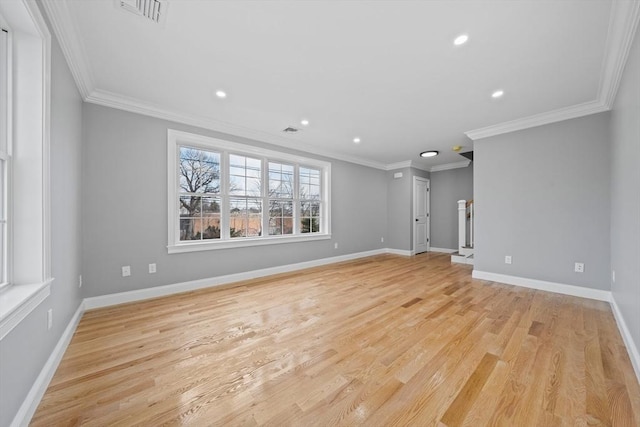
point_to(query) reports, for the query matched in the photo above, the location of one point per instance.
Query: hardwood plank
(384, 340)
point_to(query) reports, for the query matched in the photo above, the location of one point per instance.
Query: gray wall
(125, 209)
(447, 187)
(625, 194)
(25, 350)
(400, 208)
(542, 196)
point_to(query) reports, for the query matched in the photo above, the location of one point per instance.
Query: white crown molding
(548, 117)
(70, 43)
(398, 165)
(120, 102)
(623, 24)
(448, 166)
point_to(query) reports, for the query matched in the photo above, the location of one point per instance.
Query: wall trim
(632, 348)
(623, 23)
(398, 165)
(401, 252)
(31, 402)
(559, 288)
(545, 118)
(121, 102)
(448, 166)
(160, 291)
(18, 301)
(71, 45)
(443, 250)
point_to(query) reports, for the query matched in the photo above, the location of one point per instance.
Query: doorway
(421, 220)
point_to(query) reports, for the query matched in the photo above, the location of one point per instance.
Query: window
(223, 194)
(5, 155)
(24, 162)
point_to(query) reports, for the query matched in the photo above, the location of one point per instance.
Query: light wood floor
(386, 340)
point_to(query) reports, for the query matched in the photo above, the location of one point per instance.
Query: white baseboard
(559, 288)
(596, 294)
(31, 402)
(160, 291)
(632, 348)
(402, 252)
(443, 250)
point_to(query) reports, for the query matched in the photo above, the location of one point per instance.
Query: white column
(471, 223)
(462, 223)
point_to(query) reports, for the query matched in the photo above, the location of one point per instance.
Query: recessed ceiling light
(461, 39)
(497, 94)
(221, 94)
(430, 153)
(356, 140)
(304, 122)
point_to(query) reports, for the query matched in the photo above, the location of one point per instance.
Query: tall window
(5, 155)
(223, 194)
(281, 188)
(199, 194)
(245, 201)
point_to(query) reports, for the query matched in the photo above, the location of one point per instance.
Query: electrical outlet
(507, 259)
(579, 267)
(80, 281)
(126, 271)
(382, 240)
(49, 319)
(335, 246)
(152, 268)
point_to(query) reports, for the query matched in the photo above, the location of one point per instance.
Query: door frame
(413, 212)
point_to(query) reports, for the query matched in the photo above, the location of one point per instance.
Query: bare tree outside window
(310, 200)
(281, 191)
(199, 198)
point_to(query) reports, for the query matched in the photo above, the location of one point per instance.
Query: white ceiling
(385, 71)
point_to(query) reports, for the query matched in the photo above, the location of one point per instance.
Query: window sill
(241, 243)
(17, 301)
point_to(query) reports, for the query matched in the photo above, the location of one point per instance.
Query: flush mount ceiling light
(221, 94)
(430, 153)
(497, 94)
(304, 122)
(461, 39)
(356, 140)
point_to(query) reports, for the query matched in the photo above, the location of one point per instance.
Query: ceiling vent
(153, 10)
(290, 129)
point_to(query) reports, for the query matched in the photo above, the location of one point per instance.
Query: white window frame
(5, 157)
(29, 243)
(176, 139)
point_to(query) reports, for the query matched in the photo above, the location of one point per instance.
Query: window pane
(310, 183)
(245, 217)
(199, 171)
(190, 228)
(245, 176)
(190, 206)
(211, 227)
(310, 217)
(199, 218)
(280, 217)
(280, 180)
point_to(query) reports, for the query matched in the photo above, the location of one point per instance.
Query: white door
(420, 214)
